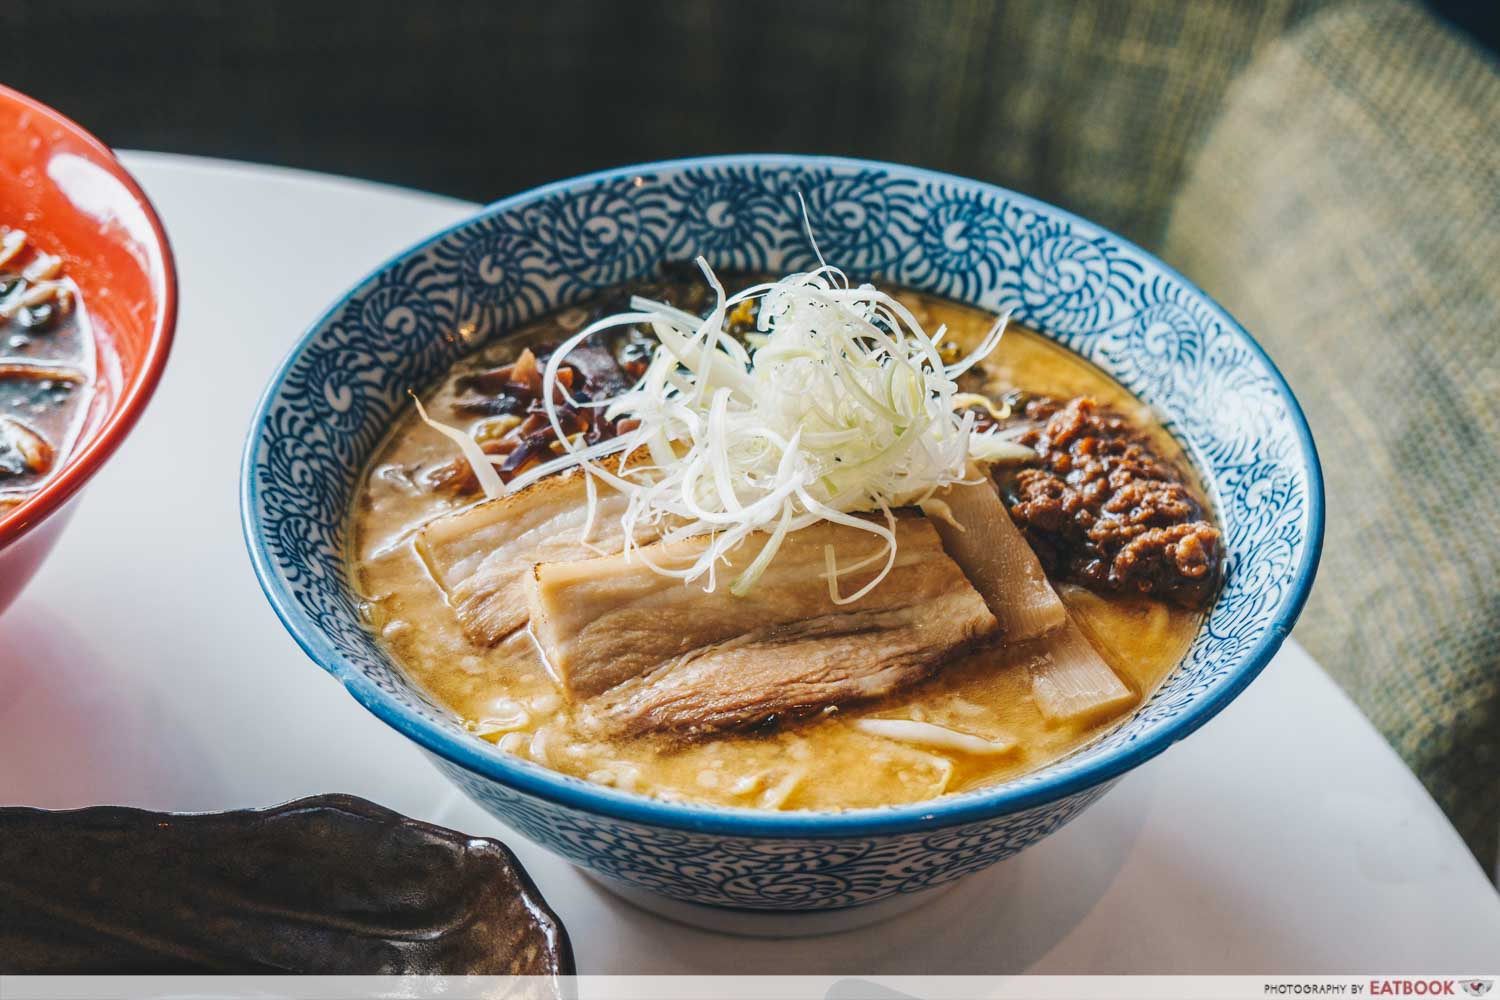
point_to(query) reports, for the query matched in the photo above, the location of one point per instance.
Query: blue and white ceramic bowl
(345, 382)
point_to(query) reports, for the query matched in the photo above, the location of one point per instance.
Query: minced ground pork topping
(1102, 509)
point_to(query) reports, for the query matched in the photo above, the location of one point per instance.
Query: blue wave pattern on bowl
(345, 384)
(773, 873)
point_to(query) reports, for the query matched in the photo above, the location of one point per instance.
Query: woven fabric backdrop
(1347, 209)
(1093, 105)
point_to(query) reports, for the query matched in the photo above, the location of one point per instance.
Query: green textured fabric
(1093, 104)
(1346, 207)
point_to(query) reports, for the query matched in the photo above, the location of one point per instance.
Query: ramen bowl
(74, 200)
(335, 396)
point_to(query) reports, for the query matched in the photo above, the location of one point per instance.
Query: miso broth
(506, 694)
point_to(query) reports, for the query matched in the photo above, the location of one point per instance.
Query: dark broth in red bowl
(88, 303)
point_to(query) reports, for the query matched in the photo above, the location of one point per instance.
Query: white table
(143, 667)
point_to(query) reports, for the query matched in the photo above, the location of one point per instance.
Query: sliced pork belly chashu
(481, 556)
(656, 654)
(689, 661)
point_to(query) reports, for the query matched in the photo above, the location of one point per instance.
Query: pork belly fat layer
(693, 660)
(800, 669)
(481, 556)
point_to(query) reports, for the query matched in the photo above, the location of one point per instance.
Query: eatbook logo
(1477, 987)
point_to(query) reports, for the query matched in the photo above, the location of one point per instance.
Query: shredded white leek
(484, 471)
(927, 734)
(504, 716)
(776, 796)
(844, 408)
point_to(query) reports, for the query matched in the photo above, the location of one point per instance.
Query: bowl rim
(559, 789)
(91, 453)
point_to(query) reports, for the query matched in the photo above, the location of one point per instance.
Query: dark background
(480, 99)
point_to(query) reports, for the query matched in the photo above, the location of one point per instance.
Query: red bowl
(74, 199)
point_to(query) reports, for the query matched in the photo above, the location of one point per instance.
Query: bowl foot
(768, 923)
